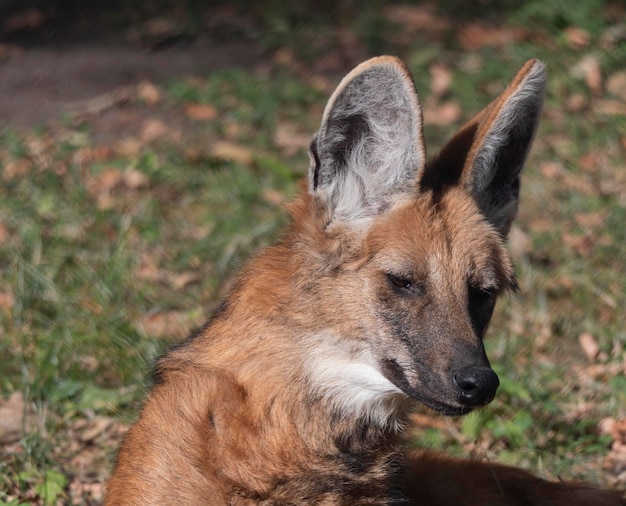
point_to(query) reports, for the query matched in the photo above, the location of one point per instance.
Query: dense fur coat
(297, 391)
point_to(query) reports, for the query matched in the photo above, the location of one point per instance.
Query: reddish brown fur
(238, 416)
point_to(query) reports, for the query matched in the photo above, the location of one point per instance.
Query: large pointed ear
(369, 149)
(488, 153)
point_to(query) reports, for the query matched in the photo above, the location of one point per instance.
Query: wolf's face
(409, 257)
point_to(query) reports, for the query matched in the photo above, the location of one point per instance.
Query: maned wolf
(380, 293)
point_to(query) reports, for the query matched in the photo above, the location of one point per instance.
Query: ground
(146, 151)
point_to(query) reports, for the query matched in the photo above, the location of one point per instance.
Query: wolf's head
(408, 256)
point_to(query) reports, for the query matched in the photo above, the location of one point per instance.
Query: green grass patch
(107, 258)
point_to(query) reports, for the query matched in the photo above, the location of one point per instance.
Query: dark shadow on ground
(57, 57)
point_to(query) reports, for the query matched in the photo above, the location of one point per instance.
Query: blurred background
(147, 148)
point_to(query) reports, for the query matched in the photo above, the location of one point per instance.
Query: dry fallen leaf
(6, 298)
(93, 493)
(589, 70)
(519, 243)
(289, 139)
(86, 156)
(200, 112)
(149, 270)
(96, 427)
(105, 181)
(440, 80)
(577, 38)
(568, 179)
(273, 196)
(616, 85)
(129, 147)
(171, 324)
(615, 462)
(16, 168)
(422, 18)
(475, 36)
(229, 151)
(576, 102)
(15, 418)
(442, 114)
(148, 92)
(589, 345)
(179, 280)
(611, 107)
(591, 220)
(581, 244)
(152, 129)
(135, 179)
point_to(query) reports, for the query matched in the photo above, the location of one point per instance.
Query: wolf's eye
(404, 285)
(482, 294)
(481, 303)
(399, 281)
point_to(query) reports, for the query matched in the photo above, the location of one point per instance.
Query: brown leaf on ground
(576, 37)
(286, 57)
(15, 418)
(443, 114)
(591, 220)
(6, 299)
(16, 168)
(170, 325)
(569, 180)
(440, 80)
(475, 36)
(4, 233)
(599, 371)
(289, 140)
(589, 345)
(84, 454)
(231, 152)
(200, 112)
(149, 270)
(105, 181)
(103, 102)
(519, 243)
(135, 179)
(153, 129)
(417, 18)
(592, 160)
(615, 462)
(86, 156)
(616, 85)
(96, 427)
(576, 102)
(86, 493)
(610, 107)
(581, 244)
(148, 92)
(130, 147)
(102, 186)
(588, 69)
(274, 197)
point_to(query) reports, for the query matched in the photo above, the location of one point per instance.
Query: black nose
(476, 385)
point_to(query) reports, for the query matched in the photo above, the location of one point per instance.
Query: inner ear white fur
(369, 149)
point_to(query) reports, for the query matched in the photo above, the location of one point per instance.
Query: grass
(108, 255)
